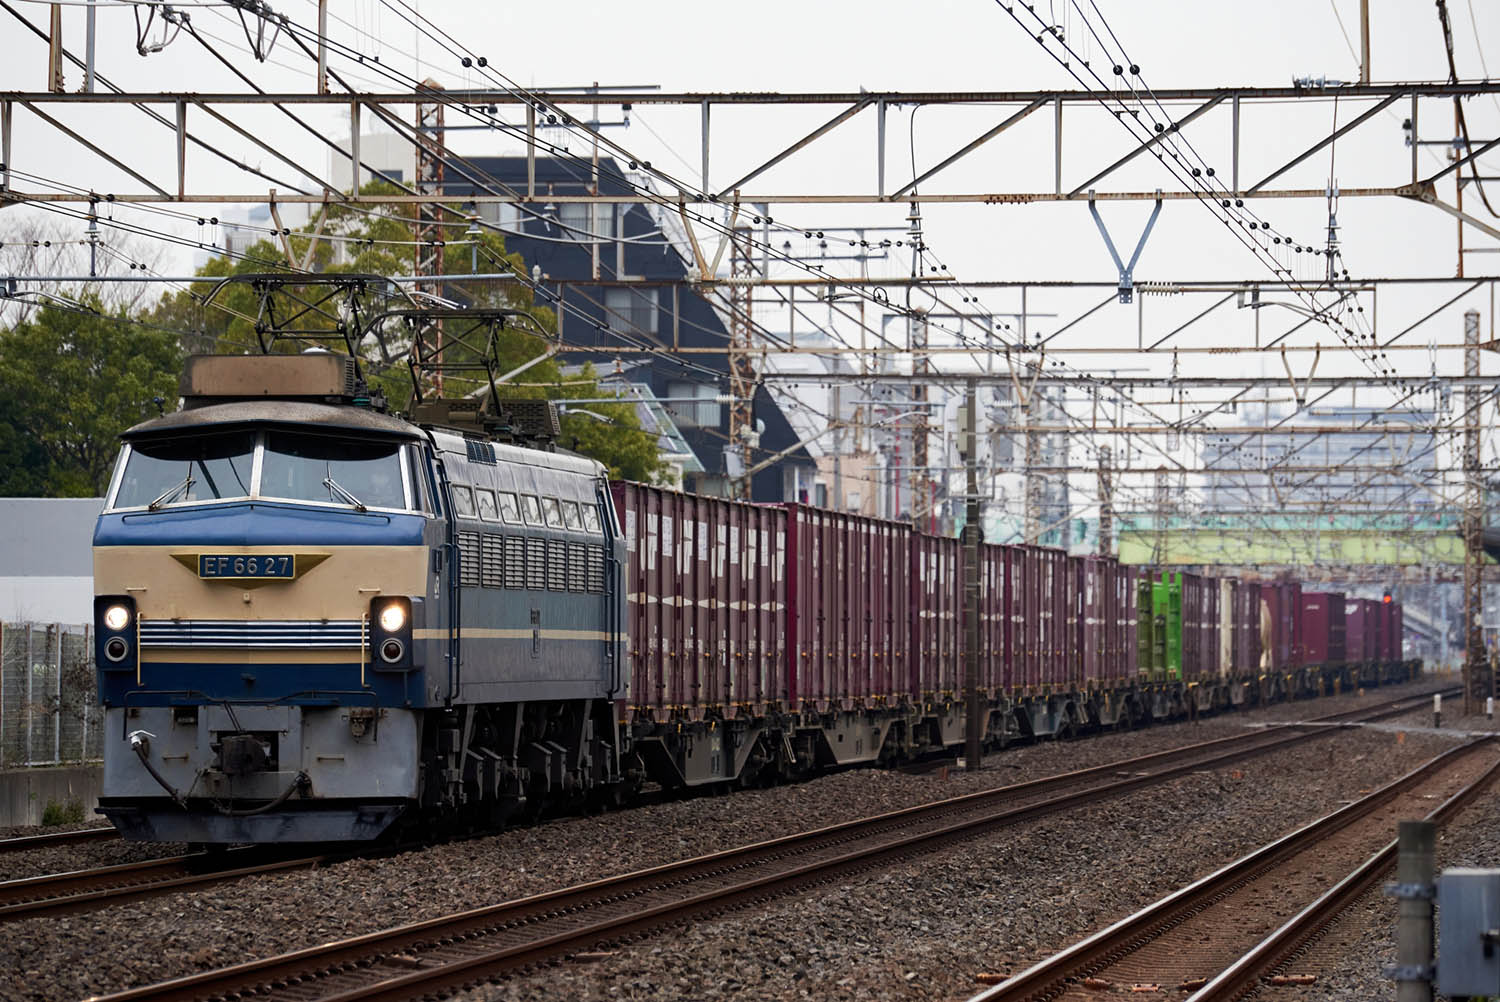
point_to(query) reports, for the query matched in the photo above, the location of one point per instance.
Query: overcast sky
(779, 45)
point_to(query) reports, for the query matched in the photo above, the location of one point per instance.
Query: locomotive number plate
(238, 565)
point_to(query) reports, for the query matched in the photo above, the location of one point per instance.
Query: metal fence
(49, 710)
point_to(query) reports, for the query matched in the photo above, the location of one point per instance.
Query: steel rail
(1048, 978)
(450, 951)
(43, 841)
(58, 893)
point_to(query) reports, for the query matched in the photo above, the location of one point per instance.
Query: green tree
(71, 381)
(378, 241)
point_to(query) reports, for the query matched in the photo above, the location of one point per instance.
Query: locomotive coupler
(243, 755)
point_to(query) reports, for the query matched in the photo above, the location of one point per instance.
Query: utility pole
(428, 230)
(1415, 842)
(1159, 551)
(1474, 659)
(55, 51)
(973, 533)
(1032, 510)
(741, 369)
(1364, 41)
(920, 500)
(322, 49)
(88, 46)
(1106, 503)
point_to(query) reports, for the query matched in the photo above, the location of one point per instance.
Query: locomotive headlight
(392, 617)
(117, 617)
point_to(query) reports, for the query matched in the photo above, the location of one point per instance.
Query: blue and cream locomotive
(317, 621)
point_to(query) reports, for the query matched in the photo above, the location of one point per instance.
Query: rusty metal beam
(1358, 120)
(971, 147)
(161, 192)
(821, 130)
(1143, 147)
(459, 97)
(851, 198)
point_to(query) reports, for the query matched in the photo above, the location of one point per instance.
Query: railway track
(1226, 935)
(103, 886)
(56, 893)
(452, 951)
(50, 839)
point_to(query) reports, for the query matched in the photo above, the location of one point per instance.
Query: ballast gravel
(923, 929)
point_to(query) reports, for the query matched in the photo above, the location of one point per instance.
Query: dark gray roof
(290, 412)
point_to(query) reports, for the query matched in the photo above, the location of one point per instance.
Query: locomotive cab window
(551, 513)
(532, 509)
(571, 518)
(510, 508)
(186, 471)
(463, 501)
(486, 503)
(591, 518)
(338, 471)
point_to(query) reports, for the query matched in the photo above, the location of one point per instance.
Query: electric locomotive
(317, 621)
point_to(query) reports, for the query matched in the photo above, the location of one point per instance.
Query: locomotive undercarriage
(486, 764)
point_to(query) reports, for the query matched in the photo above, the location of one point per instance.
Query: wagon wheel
(1070, 727)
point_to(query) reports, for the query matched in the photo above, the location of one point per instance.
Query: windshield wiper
(338, 489)
(187, 482)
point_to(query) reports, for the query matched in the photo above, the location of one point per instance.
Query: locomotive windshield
(203, 468)
(334, 470)
(280, 465)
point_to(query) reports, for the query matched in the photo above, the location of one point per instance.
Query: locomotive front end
(262, 578)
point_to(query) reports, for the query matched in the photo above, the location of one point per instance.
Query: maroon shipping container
(1102, 646)
(1374, 627)
(847, 587)
(1095, 620)
(994, 618)
(1248, 636)
(1055, 592)
(705, 582)
(1200, 625)
(1282, 603)
(1398, 632)
(1362, 620)
(1321, 628)
(935, 608)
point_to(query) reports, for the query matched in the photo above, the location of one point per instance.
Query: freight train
(317, 621)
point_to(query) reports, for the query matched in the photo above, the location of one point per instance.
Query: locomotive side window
(551, 512)
(571, 518)
(510, 508)
(532, 509)
(463, 501)
(486, 504)
(186, 471)
(591, 518)
(332, 470)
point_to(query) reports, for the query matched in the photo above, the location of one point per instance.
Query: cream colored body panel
(339, 587)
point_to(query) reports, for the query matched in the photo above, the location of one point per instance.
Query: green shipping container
(1159, 628)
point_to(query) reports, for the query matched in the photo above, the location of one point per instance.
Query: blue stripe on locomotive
(251, 523)
(178, 683)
